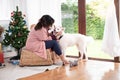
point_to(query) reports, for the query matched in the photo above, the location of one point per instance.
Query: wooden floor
(90, 70)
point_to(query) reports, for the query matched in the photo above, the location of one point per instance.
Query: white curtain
(111, 40)
(33, 9)
(7, 6)
(37, 8)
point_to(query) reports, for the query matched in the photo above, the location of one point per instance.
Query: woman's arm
(43, 35)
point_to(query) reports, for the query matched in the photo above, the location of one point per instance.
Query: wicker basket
(30, 59)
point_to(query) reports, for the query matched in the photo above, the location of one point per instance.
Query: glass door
(95, 21)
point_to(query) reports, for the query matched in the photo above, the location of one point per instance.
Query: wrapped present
(1, 57)
(0, 48)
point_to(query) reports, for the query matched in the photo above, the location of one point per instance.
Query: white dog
(67, 40)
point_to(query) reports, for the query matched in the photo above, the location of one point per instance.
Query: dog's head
(56, 29)
(59, 32)
(59, 29)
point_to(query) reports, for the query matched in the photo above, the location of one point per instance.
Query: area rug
(52, 74)
(14, 72)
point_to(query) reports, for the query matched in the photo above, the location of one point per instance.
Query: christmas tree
(17, 32)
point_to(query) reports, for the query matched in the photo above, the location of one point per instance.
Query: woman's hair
(45, 21)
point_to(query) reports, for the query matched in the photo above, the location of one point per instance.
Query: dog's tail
(89, 39)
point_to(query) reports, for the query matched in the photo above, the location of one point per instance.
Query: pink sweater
(35, 42)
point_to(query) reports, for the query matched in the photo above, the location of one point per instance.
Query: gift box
(1, 55)
(1, 58)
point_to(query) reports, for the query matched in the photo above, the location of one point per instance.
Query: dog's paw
(80, 58)
(85, 60)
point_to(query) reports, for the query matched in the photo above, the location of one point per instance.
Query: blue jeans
(53, 44)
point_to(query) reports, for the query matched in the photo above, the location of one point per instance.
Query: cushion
(30, 59)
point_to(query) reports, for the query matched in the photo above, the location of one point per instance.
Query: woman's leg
(53, 44)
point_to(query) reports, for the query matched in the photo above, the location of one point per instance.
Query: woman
(39, 40)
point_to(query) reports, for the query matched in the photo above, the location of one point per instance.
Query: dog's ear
(63, 28)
